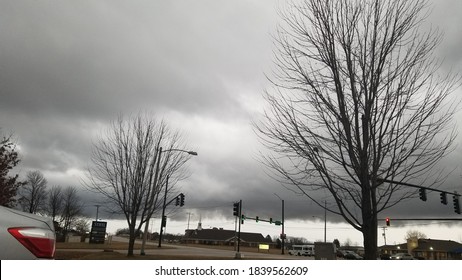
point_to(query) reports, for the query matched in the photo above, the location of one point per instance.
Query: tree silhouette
(9, 184)
(357, 96)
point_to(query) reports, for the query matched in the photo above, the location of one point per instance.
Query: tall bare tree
(357, 97)
(33, 194)
(127, 171)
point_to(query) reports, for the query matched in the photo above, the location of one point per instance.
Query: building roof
(216, 234)
(430, 244)
(438, 245)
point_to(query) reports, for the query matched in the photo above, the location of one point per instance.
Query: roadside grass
(114, 245)
(105, 255)
(87, 251)
(107, 251)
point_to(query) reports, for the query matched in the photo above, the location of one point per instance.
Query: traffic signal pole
(237, 212)
(238, 254)
(162, 225)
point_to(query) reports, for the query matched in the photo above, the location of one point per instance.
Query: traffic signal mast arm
(257, 219)
(415, 186)
(423, 195)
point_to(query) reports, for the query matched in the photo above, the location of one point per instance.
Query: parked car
(350, 255)
(341, 253)
(385, 256)
(401, 256)
(25, 236)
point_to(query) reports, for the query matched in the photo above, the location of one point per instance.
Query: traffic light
(443, 198)
(271, 220)
(177, 202)
(423, 194)
(242, 219)
(387, 221)
(236, 209)
(164, 221)
(256, 219)
(455, 199)
(181, 200)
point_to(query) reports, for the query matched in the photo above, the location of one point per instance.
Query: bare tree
(414, 234)
(82, 226)
(358, 97)
(54, 203)
(71, 209)
(129, 172)
(33, 194)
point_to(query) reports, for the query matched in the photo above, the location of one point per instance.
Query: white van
(302, 250)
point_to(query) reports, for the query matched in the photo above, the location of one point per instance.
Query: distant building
(219, 236)
(426, 249)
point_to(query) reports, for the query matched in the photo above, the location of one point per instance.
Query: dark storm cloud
(445, 15)
(97, 57)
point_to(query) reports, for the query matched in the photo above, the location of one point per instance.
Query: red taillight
(41, 242)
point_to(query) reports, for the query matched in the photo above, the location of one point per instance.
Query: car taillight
(41, 242)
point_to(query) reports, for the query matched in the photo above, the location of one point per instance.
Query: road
(181, 250)
(172, 250)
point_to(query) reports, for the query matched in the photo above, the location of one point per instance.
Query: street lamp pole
(146, 228)
(163, 222)
(155, 184)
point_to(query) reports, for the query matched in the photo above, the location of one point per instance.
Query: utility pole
(325, 220)
(283, 234)
(189, 218)
(384, 235)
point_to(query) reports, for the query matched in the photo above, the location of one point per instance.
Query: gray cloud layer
(70, 67)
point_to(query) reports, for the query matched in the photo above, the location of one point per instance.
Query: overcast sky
(68, 68)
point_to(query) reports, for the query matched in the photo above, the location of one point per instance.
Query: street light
(283, 237)
(166, 189)
(163, 209)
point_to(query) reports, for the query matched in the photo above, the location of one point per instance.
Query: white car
(401, 256)
(25, 236)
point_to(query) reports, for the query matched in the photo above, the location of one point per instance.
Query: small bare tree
(128, 171)
(33, 195)
(357, 98)
(82, 226)
(54, 203)
(72, 208)
(414, 234)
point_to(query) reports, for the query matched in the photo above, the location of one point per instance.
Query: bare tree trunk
(369, 232)
(131, 240)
